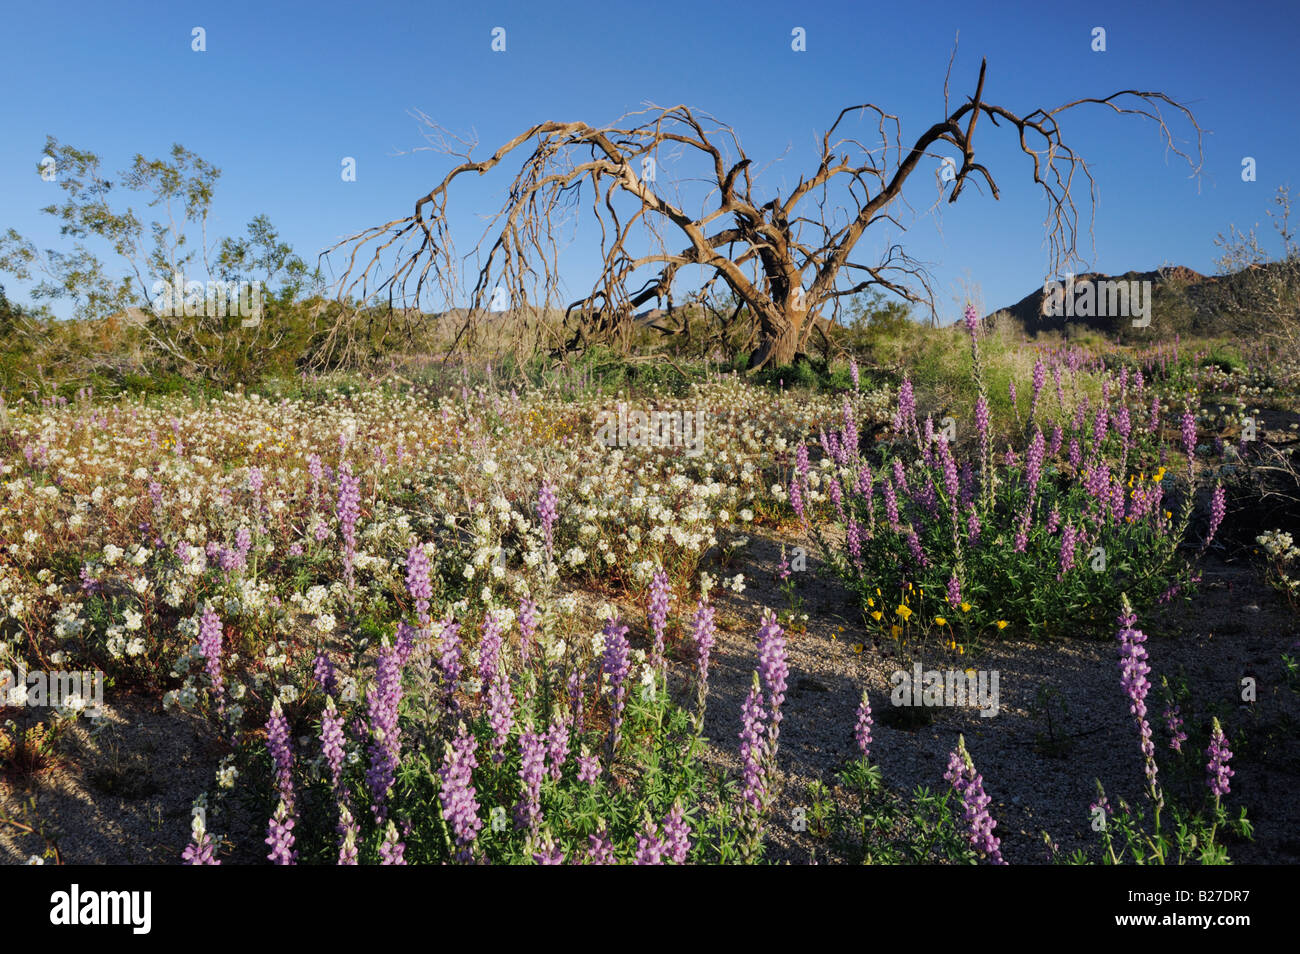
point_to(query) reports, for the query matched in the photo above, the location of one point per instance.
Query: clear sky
(284, 91)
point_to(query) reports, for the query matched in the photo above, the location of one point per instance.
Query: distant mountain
(1174, 300)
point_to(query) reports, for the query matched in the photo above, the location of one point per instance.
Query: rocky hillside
(1181, 301)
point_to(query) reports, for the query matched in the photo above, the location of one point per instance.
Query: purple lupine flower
(391, 850)
(677, 836)
(703, 631)
(973, 525)
(557, 745)
(1076, 455)
(1154, 421)
(489, 650)
(532, 768)
(1053, 519)
(914, 547)
(277, 743)
(905, 416)
(951, 482)
(383, 700)
(501, 712)
(1099, 425)
(547, 514)
(417, 581)
(660, 594)
(279, 835)
(547, 852)
(1123, 423)
(954, 591)
(900, 476)
(782, 570)
(527, 627)
(1069, 537)
(752, 732)
(1021, 541)
(210, 647)
(1034, 462)
(331, 744)
(243, 543)
(202, 849)
(969, 786)
(1011, 392)
(796, 499)
(1174, 723)
(457, 794)
(853, 371)
(449, 661)
(1218, 508)
(348, 510)
(323, 672)
(615, 664)
(1039, 379)
(1054, 447)
(891, 503)
(588, 768)
(1189, 436)
(1133, 678)
(801, 462)
(600, 850)
(773, 671)
(862, 728)
(837, 496)
(1117, 500)
(649, 847)
(972, 321)
(1217, 771)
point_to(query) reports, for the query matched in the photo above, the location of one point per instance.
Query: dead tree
(787, 258)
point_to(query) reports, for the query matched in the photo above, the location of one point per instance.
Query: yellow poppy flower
(1002, 624)
(939, 620)
(895, 631)
(876, 616)
(965, 607)
(904, 612)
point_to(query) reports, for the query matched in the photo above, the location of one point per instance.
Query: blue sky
(285, 91)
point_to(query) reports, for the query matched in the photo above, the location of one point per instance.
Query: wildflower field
(1039, 609)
